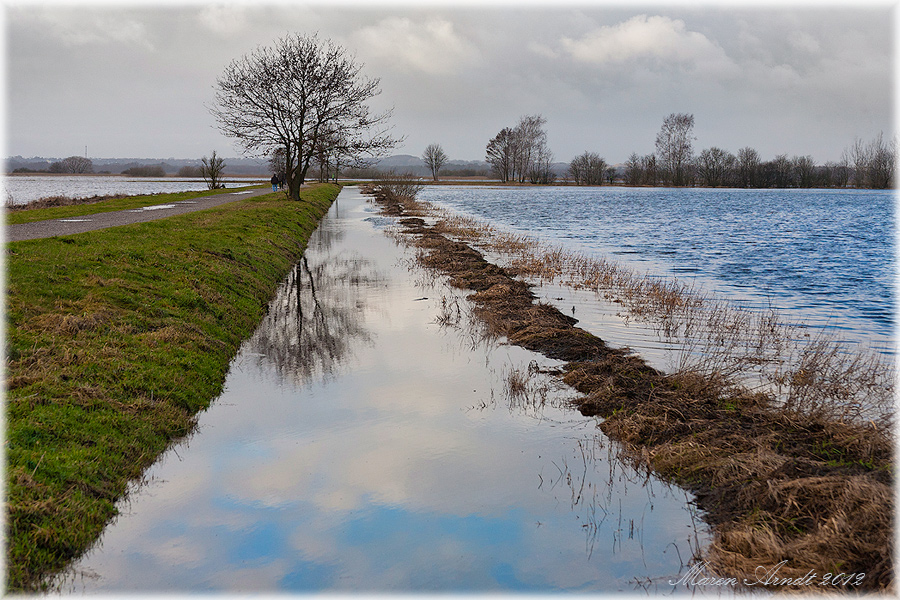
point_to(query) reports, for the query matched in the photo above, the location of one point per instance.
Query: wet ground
(370, 440)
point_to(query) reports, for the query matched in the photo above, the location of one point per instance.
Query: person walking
(274, 182)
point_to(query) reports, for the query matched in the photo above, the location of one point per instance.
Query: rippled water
(361, 446)
(20, 189)
(824, 257)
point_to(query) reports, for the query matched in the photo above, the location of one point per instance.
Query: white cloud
(432, 47)
(82, 28)
(647, 38)
(800, 40)
(225, 20)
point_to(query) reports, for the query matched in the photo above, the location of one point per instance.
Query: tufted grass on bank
(115, 340)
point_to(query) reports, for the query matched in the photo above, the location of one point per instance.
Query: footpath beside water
(369, 438)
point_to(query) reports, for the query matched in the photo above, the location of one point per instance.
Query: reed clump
(794, 470)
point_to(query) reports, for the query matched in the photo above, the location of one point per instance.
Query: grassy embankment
(801, 478)
(115, 340)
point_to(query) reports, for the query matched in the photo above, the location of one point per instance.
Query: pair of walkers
(277, 182)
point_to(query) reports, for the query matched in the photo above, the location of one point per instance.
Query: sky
(135, 80)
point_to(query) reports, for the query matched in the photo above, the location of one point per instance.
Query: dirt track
(72, 225)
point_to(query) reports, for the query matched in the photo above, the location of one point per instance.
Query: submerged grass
(801, 477)
(115, 340)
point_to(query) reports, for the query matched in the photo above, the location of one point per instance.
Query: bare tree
(674, 147)
(328, 154)
(836, 174)
(716, 166)
(650, 170)
(211, 170)
(588, 169)
(500, 154)
(434, 158)
(804, 171)
(293, 94)
(610, 174)
(858, 157)
(634, 170)
(540, 170)
(748, 167)
(73, 164)
(779, 172)
(880, 167)
(521, 153)
(531, 150)
(277, 163)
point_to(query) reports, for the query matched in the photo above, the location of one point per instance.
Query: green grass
(130, 202)
(115, 340)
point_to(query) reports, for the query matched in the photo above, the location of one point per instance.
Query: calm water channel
(361, 446)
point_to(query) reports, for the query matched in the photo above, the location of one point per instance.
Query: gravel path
(52, 227)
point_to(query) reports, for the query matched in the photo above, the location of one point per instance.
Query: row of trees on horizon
(521, 154)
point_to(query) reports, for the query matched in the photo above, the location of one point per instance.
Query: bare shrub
(400, 185)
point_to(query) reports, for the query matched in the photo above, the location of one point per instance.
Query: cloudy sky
(134, 81)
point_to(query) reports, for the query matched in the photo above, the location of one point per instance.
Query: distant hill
(416, 166)
(233, 166)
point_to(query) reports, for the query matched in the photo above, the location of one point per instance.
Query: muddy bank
(794, 500)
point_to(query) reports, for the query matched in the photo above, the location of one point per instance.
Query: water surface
(21, 189)
(824, 258)
(361, 446)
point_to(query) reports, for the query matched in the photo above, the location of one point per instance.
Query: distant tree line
(520, 154)
(862, 165)
(145, 171)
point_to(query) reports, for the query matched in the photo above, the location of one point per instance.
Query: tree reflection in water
(316, 317)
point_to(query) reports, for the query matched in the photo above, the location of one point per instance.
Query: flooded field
(21, 189)
(823, 258)
(371, 440)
